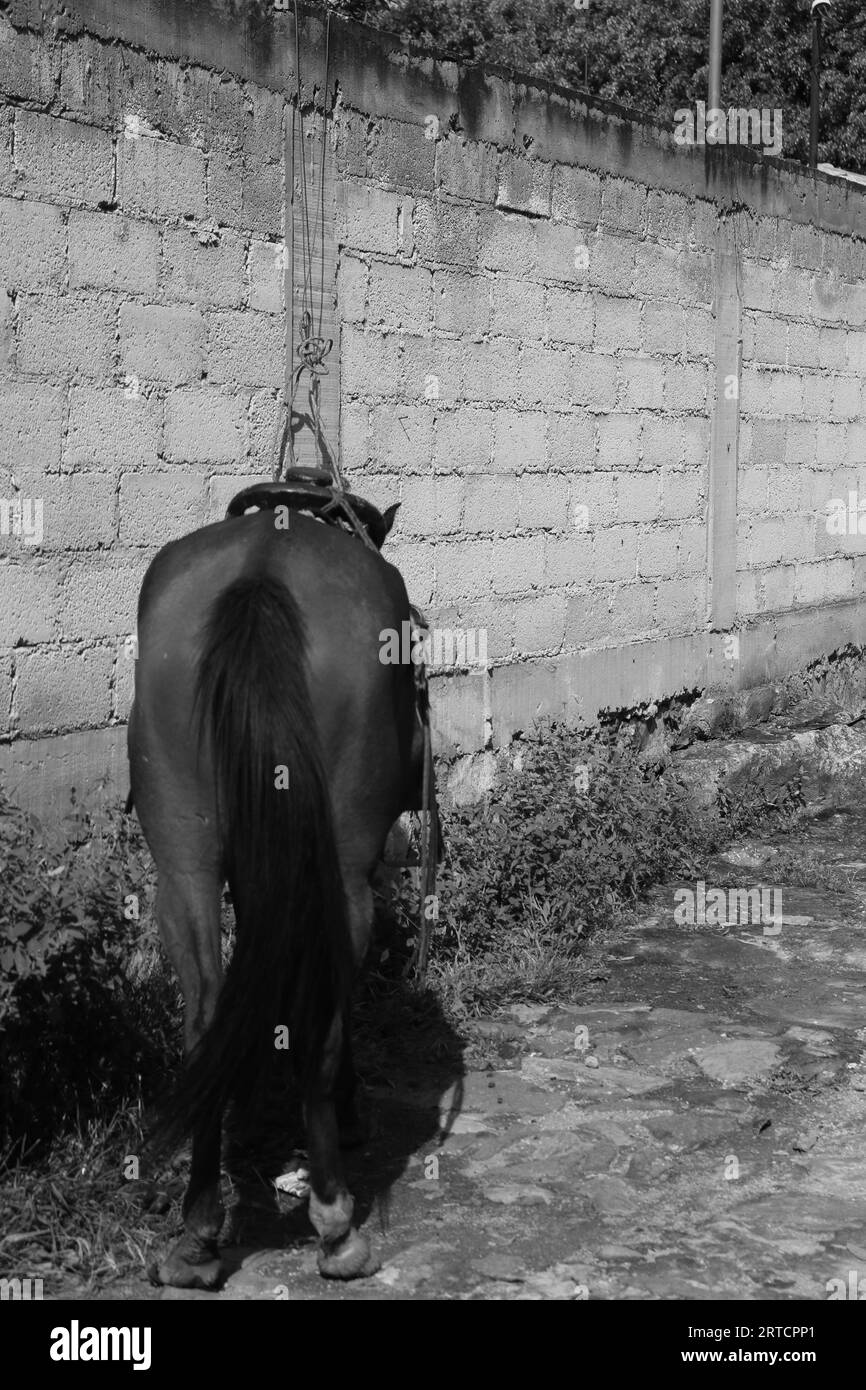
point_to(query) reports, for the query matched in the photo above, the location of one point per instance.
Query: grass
(571, 839)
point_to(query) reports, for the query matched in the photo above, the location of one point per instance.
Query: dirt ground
(691, 1128)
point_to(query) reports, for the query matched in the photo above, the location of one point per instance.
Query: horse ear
(389, 515)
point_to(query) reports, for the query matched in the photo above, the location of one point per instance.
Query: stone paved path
(693, 1127)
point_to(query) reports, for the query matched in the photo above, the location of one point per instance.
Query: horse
(270, 748)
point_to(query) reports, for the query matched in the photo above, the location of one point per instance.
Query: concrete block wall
(533, 296)
(142, 344)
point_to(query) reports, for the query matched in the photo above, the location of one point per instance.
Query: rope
(313, 348)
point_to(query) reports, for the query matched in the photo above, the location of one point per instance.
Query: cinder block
(687, 385)
(401, 438)
(786, 393)
(246, 348)
(831, 444)
(543, 376)
(162, 344)
(111, 427)
(435, 506)
(614, 553)
(349, 134)
(62, 690)
(611, 265)
(765, 339)
(793, 293)
(225, 189)
(399, 153)
(588, 619)
(28, 66)
(631, 610)
(639, 498)
(158, 507)
(32, 245)
(399, 297)
(700, 332)
(846, 397)
(595, 495)
(540, 625)
(32, 429)
(99, 597)
(663, 329)
(516, 565)
(753, 490)
(803, 345)
(662, 441)
(824, 581)
(371, 363)
(617, 324)
(62, 160)
(570, 316)
(432, 368)
(560, 253)
(576, 195)
(524, 185)
(594, 381)
(680, 605)
(682, 496)
(263, 198)
(351, 288)
(492, 505)
(446, 233)
(160, 178)
(623, 206)
(659, 552)
(461, 304)
(569, 560)
(491, 371)
(79, 512)
(801, 442)
(571, 441)
(109, 251)
(197, 270)
(463, 440)
(518, 308)
(817, 399)
(669, 217)
(467, 169)
(205, 425)
(266, 269)
(28, 601)
(372, 219)
(777, 588)
(660, 272)
(505, 242)
(758, 285)
(463, 569)
(642, 383)
(544, 502)
(65, 336)
(519, 443)
(768, 443)
(854, 351)
(618, 442)
(696, 434)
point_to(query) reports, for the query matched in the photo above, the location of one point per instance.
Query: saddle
(312, 490)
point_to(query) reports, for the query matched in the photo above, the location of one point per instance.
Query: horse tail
(291, 966)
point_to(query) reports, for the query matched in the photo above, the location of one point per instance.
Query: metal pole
(714, 77)
(816, 89)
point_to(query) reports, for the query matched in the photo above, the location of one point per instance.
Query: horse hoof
(178, 1272)
(349, 1258)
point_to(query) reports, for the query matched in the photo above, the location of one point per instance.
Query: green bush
(86, 1010)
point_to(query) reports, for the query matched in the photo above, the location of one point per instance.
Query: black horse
(270, 747)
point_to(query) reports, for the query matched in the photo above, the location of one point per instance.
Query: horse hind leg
(187, 910)
(345, 1251)
(352, 1117)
